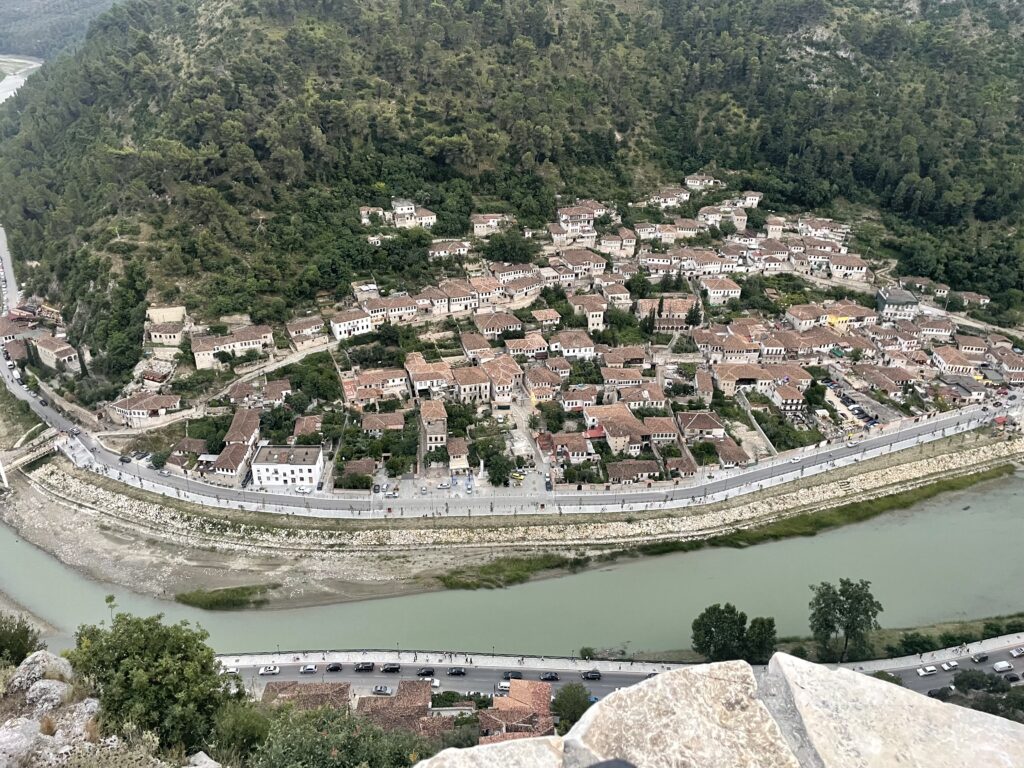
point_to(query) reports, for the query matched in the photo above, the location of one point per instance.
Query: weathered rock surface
(47, 695)
(73, 719)
(521, 753)
(795, 714)
(203, 760)
(707, 715)
(17, 741)
(854, 721)
(39, 665)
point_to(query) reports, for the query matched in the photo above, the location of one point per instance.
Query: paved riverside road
(482, 676)
(998, 649)
(10, 296)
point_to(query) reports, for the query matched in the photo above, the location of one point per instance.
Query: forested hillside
(43, 28)
(217, 151)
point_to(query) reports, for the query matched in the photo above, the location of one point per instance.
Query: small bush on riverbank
(506, 571)
(228, 598)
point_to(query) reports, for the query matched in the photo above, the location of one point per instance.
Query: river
(956, 556)
(10, 84)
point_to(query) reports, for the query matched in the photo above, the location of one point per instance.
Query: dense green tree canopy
(335, 738)
(18, 639)
(841, 618)
(719, 632)
(571, 701)
(159, 677)
(217, 154)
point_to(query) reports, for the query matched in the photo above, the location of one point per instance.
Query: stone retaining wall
(171, 523)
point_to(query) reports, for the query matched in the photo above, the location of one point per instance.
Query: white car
(270, 669)
(229, 671)
(435, 683)
(307, 669)
(796, 459)
(1002, 666)
(302, 489)
(1017, 652)
(444, 485)
(926, 671)
(949, 666)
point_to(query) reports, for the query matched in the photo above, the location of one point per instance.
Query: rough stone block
(544, 752)
(696, 717)
(854, 721)
(39, 665)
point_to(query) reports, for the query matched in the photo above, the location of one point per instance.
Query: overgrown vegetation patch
(227, 598)
(506, 571)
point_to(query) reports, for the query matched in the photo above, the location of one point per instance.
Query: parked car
(512, 674)
(307, 669)
(164, 473)
(949, 666)
(334, 666)
(1002, 666)
(1017, 652)
(125, 459)
(926, 671)
(444, 485)
(381, 690)
(435, 683)
(364, 666)
(504, 686)
(270, 669)
(376, 487)
(979, 658)
(549, 677)
(1012, 677)
(457, 671)
(425, 672)
(391, 668)
(591, 674)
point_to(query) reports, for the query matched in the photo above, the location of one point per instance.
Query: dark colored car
(549, 677)
(425, 672)
(43, 403)
(391, 668)
(1012, 677)
(457, 671)
(979, 658)
(364, 666)
(512, 674)
(334, 666)
(591, 674)
(125, 459)
(547, 485)
(376, 487)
